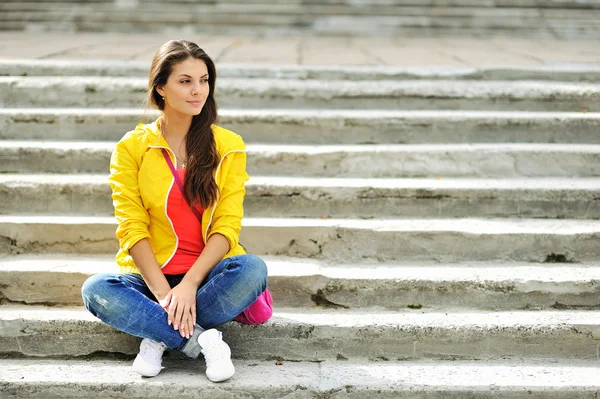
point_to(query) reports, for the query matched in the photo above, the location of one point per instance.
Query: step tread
(140, 68)
(14, 180)
(467, 87)
(117, 376)
(279, 266)
(301, 114)
(301, 149)
(466, 225)
(357, 318)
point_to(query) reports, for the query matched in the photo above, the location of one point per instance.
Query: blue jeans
(125, 302)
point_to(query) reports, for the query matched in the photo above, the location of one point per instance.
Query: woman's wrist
(160, 295)
(194, 278)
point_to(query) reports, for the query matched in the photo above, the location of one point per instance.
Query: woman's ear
(160, 90)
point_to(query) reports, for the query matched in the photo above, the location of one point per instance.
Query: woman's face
(187, 88)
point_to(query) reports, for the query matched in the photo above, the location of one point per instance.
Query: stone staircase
(428, 234)
(470, 18)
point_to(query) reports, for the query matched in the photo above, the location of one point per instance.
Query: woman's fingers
(182, 309)
(178, 316)
(172, 307)
(193, 310)
(183, 328)
(190, 323)
(187, 323)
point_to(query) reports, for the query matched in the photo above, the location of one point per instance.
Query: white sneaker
(149, 361)
(217, 356)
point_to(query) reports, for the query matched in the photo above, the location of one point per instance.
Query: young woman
(183, 270)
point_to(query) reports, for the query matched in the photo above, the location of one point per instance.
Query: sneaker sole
(221, 379)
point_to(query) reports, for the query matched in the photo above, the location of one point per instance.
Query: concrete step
(288, 196)
(357, 161)
(308, 8)
(27, 11)
(319, 126)
(306, 14)
(541, 4)
(335, 27)
(57, 1)
(101, 378)
(312, 20)
(56, 279)
(314, 335)
(276, 93)
(572, 72)
(431, 3)
(341, 240)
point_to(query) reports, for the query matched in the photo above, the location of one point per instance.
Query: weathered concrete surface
(358, 161)
(441, 240)
(312, 94)
(324, 335)
(461, 160)
(330, 197)
(179, 378)
(300, 19)
(50, 234)
(333, 379)
(57, 280)
(427, 198)
(410, 51)
(319, 126)
(572, 72)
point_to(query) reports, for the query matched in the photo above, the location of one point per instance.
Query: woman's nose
(195, 88)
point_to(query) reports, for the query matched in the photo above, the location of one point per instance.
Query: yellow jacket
(141, 182)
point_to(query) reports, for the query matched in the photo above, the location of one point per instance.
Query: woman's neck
(175, 125)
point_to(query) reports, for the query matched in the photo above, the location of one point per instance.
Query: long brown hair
(200, 187)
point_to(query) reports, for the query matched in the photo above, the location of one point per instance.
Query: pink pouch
(259, 312)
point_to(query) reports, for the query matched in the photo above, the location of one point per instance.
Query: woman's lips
(195, 103)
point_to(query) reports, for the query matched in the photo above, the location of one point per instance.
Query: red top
(187, 228)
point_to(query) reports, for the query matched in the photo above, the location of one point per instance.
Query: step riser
(102, 378)
(365, 164)
(541, 4)
(292, 340)
(64, 289)
(287, 10)
(576, 73)
(332, 26)
(318, 129)
(49, 390)
(129, 92)
(327, 243)
(303, 201)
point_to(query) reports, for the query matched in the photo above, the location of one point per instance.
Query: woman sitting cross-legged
(178, 191)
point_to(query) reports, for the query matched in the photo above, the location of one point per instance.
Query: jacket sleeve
(227, 218)
(132, 217)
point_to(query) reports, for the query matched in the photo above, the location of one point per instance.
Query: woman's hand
(180, 304)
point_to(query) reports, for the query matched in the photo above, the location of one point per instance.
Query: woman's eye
(188, 81)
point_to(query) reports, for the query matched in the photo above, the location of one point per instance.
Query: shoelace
(214, 352)
(152, 350)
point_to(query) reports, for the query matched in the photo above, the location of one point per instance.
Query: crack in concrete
(36, 246)
(558, 258)
(300, 52)
(4, 300)
(562, 306)
(226, 50)
(320, 300)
